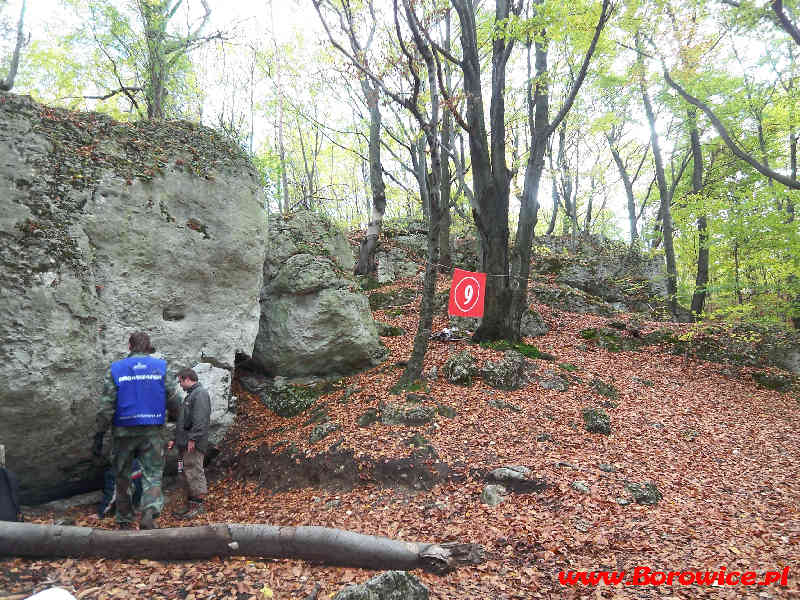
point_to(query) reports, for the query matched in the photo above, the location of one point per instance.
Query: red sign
(467, 293)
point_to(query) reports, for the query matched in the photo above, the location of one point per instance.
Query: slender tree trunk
(538, 108)
(540, 131)
(7, 83)
(413, 370)
(366, 253)
(628, 185)
(552, 225)
(445, 259)
(420, 165)
(587, 222)
(665, 211)
(701, 281)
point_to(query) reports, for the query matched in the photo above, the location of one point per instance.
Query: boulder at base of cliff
(107, 228)
(314, 320)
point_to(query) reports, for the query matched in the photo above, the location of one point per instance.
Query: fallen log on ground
(316, 544)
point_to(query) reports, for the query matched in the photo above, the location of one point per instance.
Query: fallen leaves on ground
(722, 451)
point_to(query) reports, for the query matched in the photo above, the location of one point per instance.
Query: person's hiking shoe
(127, 526)
(195, 509)
(148, 520)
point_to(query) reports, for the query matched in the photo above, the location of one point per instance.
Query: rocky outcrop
(313, 319)
(107, 228)
(600, 276)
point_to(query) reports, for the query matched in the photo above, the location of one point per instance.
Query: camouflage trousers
(149, 450)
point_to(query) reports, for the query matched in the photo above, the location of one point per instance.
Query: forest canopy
(671, 125)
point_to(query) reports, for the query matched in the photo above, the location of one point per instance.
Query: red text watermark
(646, 576)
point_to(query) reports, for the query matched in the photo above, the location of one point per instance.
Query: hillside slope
(720, 449)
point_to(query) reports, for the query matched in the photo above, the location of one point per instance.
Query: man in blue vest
(137, 393)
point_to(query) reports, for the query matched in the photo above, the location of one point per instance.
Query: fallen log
(316, 544)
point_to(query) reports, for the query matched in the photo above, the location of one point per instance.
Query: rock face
(595, 275)
(313, 322)
(107, 228)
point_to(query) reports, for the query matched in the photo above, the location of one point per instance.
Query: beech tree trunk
(541, 128)
(491, 176)
(366, 253)
(318, 544)
(701, 281)
(665, 211)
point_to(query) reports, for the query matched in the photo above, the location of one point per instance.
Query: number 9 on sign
(466, 294)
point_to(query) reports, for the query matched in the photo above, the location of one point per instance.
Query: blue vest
(141, 393)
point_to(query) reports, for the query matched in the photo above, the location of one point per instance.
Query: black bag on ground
(9, 496)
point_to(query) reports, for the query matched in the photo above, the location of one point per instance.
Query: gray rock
(605, 389)
(582, 525)
(303, 274)
(773, 381)
(391, 585)
(596, 421)
(533, 325)
(412, 415)
(469, 324)
(503, 405)
(550, 380)
(493, 494)
(506, 374)
(460, 368)
(394, 264)
(322, 431)
(93, 250)
(312, 322)
(287, 398)
(644, 493)
(607, 468)
(385, 267)
(446, 411)
(511, 472)
(623, 501)
(580, 486)
(400, 297)
(516, 478)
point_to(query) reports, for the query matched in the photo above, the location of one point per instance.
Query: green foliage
(525, 349)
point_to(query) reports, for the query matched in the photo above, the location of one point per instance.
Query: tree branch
(732, 145)
(605, 15)
(784, 22)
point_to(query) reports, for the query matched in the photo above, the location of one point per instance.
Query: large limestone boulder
(314, 321)
(107, 228)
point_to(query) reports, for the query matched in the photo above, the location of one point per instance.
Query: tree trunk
(317, 544)
(413, 370)
(421, 171)
(445, 259)
(665, 211)
(8, 81)
(366, 254)
(538, 108)
(628, 185)
(540, 131)
(490, 174)
(701, 281)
